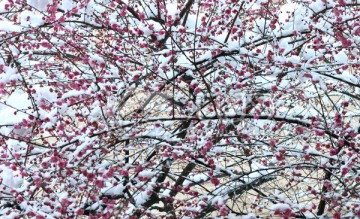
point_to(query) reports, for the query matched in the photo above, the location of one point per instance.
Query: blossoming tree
(179, 108)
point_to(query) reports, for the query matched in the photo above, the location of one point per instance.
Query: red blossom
(215, 181)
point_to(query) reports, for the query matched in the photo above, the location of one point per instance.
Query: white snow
(341, 57)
